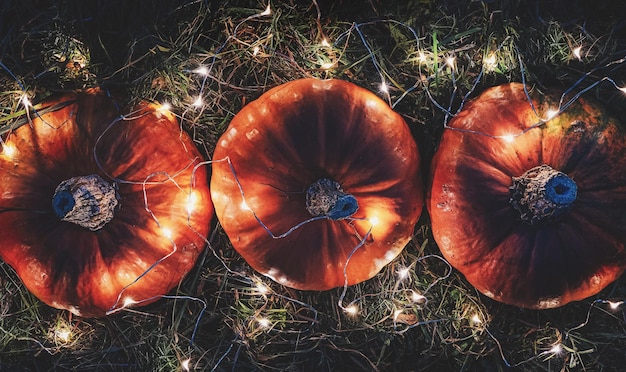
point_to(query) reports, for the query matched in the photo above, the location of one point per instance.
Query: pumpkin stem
(326, 198)
(542, 194)
(88, 201)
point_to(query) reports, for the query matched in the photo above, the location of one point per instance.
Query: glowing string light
(577, 52)
(244, 206)
(475, 319)
(556, 349)
(327, 65)
(264, 322)
(325, 42)
(192, 202)
(128, 301)
(551, 113)
(262, 288)
(490, 62)
(403, 273)
(26, 101)
(202, 71)
(63, 333)
(374, 220)
(396, 314)
(167, 232)
(508, 138)
(185, 364)
(267, 11)
(164, 108)
(421, 57)
(256, 50)
(8, 150)
(450, 61)
(614, 305)
(352, 310)
(383, 87)
(416, 297)
(198, 102)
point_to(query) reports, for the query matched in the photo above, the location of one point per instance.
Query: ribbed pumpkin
(535, 219)
(324, 148)
(80, 197)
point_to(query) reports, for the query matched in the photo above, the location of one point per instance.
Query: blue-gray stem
(542, 194)
(325, 197)
(88, 201)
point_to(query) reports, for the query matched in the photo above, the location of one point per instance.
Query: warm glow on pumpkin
(551, 113)
(509, 138)
(245, 206)
(128, 301)
(164, 108)
(167, 232)
(374, 220)
(9, 150)
(192, 202)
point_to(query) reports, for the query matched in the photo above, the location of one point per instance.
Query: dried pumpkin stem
(542, 194)
(325, 197)
(88, 201)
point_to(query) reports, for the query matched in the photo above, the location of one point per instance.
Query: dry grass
(226, 317)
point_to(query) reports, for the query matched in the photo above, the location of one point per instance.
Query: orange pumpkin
(535, 219)
(89, 201)
(317, 148)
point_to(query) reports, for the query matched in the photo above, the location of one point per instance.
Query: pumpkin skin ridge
(596, 134)
(84, 294)
(298, 172)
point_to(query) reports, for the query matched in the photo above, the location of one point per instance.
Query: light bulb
(245, 206)
(450, 61)
(9, 150)
(374, 220)
(192, 201)
(198, 102)
(202, 70)
(352, 310)
(509, 138)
